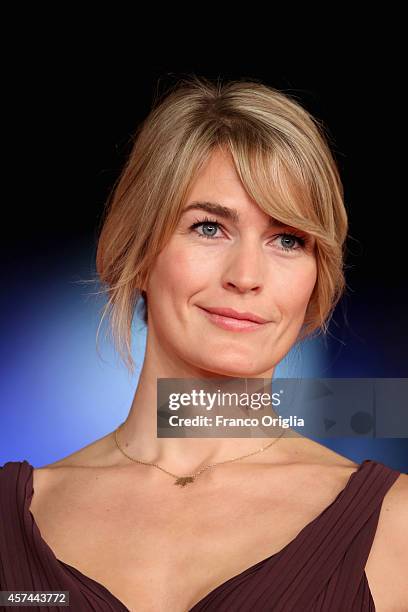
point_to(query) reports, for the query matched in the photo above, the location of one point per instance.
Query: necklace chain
(183, 480)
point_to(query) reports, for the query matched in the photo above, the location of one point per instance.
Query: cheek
(179, 272)
(293, 294)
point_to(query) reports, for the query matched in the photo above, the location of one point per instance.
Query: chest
(166, 549)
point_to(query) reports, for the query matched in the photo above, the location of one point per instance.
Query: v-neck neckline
(115, 600)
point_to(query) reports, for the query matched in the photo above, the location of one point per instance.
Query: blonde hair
(282, 156)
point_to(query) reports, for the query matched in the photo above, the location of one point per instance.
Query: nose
(244, 270)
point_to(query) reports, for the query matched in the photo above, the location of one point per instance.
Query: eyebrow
(226, 213)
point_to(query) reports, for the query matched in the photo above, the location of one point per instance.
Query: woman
(230, 199)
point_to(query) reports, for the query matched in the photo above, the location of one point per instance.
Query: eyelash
(302, 241)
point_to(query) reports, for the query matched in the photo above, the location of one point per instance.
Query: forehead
(219, 169)
(218, 190)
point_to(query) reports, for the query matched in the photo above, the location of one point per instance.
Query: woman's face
(245, 264)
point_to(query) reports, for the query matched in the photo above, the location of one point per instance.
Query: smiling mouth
(230, 323)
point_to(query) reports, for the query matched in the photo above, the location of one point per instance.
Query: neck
(138, 435)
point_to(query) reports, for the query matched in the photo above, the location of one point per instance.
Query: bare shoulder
(48, 478)
(95, 454)
(304, 451)
(394, 517)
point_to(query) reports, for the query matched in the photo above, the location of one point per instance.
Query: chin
(241, 370)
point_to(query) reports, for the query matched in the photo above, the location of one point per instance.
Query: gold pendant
(183, 480)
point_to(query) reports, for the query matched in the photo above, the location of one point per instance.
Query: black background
(74, 97)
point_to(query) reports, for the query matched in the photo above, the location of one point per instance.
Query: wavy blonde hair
(282, 156)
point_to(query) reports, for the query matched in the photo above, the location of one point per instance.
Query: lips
(234, 314)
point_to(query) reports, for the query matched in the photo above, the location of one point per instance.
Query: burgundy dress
(320, 570)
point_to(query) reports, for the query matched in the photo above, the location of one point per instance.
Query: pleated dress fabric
(320, 570)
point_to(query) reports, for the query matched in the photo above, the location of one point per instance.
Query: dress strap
(15, 553)
(323, 567)
(334, 578)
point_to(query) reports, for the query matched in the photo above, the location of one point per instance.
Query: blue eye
(292, 237)
(214, 225)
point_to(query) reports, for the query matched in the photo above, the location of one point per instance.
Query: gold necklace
(183, 480)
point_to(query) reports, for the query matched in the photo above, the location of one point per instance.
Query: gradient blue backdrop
(58, 394)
